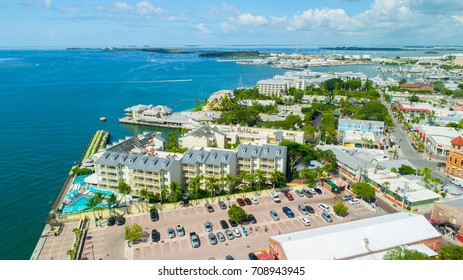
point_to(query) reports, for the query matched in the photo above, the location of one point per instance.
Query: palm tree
(211, 184)
(175, 190)
(230, 182)
(99, 199)
(194, 186)
(92, 204)
(277, 178)
(144, 197)
(432, 116)
(260, 178)
(112, 201)
(71, 253)
(124, 189)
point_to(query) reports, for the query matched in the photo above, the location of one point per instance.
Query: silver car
(220, 236)
(180, 230)
(170, 233)
(208, 226)
(212, 238)
(274, 215)
(229, 234)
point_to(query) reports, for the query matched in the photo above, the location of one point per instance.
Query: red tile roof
(457, 140)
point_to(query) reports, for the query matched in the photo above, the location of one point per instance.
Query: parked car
(327, 217)
(180, 230)
(310, 209)
(318, 190)
(120, 220)
(170, 232)
(252, 219)
(289, 196)
(212, 238)
(236, 232)
(154, 215)
(346, 197)
(111, 221)
(307, 193)
(194, 239)
(222, 205)
(229, 234)
(155, 236)
(441, 164)
(230, 258)
(311, 191)
(253, 257)
(220, 236)
(209, 207)
(305, 221)
(300, 193)
(324, 207)
(247, 201)
(254, 200)
(240, 202)
(288, 212)
(207, 226)
(224, 224)
(233, 223)
(274, 215)
(275, 197)
(302, 209)
(354, 201)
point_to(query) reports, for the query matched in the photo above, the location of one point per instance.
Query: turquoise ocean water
(51, 102)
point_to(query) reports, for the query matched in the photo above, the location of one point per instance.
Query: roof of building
(126, 145)
(248, 151)
(272, 151)
(137, 162)
(457, 140)
(213, 156)
(397, 163)
(361, 122)
(455, 202)
(356, 238)
(380, 256)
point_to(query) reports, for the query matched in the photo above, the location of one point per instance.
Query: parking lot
(193, 218)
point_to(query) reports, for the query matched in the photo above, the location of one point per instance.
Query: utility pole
(403, 197)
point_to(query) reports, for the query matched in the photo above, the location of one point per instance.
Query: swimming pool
(81, 201)
(79, 179)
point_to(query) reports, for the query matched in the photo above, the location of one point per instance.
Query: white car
(254, 200)
(305, 221)
(354, 201)
(324, 207)
(236, 232)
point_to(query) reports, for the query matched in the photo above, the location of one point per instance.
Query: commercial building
(356, 239)
(449, 214)
(377, 127)
(436, 138)
(454, 165)
(272, 87)
(416, 86)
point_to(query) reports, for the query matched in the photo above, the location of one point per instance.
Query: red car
(247, 201)
(289, 196)
(240, 202)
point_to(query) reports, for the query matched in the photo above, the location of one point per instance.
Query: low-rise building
(450, 212)
(356, 239)
(454, 166)
(376, 127)
(203, 136)
(267, 158)
(416, 86)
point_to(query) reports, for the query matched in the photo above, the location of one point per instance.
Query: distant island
(231, 54)
(361, 49)
(156, 50)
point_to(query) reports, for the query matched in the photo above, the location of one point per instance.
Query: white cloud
(117, 7)
(122, 6)
(227, 27)
(336, 19)
(71, 10)
(146, 9)
(250, 19)
(46, 3)
(278, 20)
(459, 19)
(39, 3)
(176, 18)
(202, 28)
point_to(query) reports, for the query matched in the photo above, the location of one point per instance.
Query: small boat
(102, 119)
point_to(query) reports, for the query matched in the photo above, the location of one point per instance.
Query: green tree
(237, 214)
(144, 198)
(297, 153)
(406, 169)
(212, 185)
(93, 205)
(195, 185)
(260, 179)
(402, 253)
(451, 252)
(112, 201)
(340, 209)
(175, 191)
(99, 200)
(172, 142)
(133, 233)
(402, 81)
(125, 190)
(71, 254)
(278, 179)
(414, 98)
(364, 189)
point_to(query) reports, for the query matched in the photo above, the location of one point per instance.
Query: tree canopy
(237, 214)
(406, 170)
(340, 209)
(364, 189)
(402, 253)
(451, 252)
(133, 233)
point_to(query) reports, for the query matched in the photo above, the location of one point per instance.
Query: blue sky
(101, 23)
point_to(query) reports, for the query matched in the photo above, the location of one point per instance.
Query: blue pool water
(79, 203)
(79, 179)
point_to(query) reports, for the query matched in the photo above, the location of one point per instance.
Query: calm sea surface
(51, 102)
